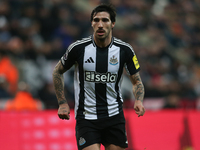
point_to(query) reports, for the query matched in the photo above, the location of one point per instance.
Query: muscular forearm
(58, 81)
(138, 87)
(138, 91)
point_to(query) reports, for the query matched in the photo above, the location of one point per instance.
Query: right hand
(64, 111)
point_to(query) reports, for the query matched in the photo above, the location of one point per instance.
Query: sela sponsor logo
(92, 76)
(82, 141)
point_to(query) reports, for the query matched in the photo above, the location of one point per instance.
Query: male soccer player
(99, 61)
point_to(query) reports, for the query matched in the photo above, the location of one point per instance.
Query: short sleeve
(132, 65)
(69, 58)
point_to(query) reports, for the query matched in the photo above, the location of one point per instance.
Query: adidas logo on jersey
(89, 60)
(92, 76)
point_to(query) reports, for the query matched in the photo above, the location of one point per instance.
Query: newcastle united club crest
(113, 60)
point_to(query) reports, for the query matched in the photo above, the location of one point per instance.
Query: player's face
(102, 25)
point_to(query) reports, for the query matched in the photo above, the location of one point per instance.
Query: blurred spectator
(23, 100)
(8, 76)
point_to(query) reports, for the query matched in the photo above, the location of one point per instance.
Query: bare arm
(58, 81)
(138, 87)
(138, 91)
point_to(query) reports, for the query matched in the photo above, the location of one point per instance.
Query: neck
(103, 42)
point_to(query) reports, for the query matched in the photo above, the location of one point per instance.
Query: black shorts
(105, 131)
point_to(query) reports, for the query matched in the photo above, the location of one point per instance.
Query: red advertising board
(156, 130)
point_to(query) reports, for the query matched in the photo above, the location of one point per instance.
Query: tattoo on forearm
(58, 81)
(138, 88)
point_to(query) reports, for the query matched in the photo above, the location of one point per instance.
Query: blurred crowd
(165, 34)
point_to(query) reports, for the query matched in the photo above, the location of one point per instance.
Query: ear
(113, 24)
(91, 24)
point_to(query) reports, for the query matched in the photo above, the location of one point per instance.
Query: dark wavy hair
(109, 8)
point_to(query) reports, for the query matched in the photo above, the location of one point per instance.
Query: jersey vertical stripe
(118, 82)
(79, 48)
(89, 64)
(76, 89)
(100, 88)
(80, 92)
(113, 61)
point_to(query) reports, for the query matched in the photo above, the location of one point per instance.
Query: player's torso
(102, 69)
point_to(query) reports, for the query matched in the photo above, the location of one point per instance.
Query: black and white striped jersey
(98, 76)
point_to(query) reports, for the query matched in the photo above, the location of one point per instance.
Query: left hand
(139, 108)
